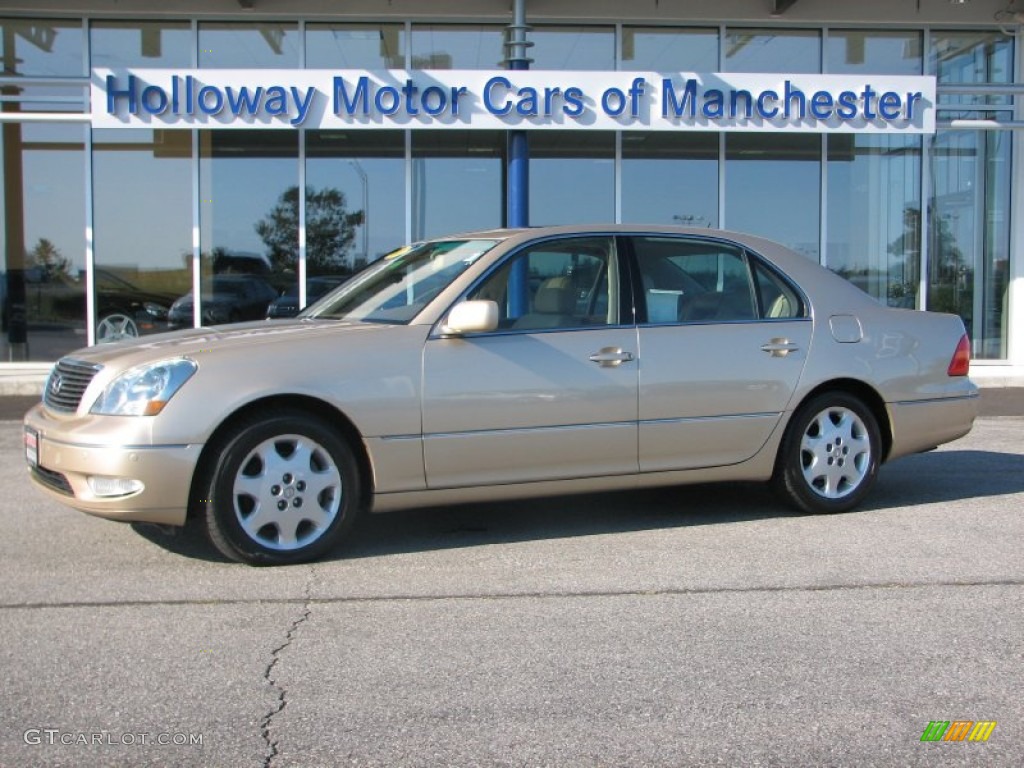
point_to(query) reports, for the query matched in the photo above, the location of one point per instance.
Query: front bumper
(65, 464)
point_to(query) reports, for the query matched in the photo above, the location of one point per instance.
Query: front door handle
(779, 347)
(609, 357)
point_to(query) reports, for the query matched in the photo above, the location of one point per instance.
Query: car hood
(248, 338)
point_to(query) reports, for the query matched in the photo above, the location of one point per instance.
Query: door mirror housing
(477, 316)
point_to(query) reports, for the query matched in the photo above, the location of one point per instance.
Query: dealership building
(183, 163)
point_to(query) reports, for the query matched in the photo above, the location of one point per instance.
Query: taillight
(960, 365)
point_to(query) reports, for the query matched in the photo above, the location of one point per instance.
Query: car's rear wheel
(829, 456)
(282, 488)
(115, 327)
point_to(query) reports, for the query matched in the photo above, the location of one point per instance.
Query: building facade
(114, 231)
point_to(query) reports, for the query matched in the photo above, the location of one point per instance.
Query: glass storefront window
(355, 46)
(43, 220)
(142, 216)
(980, 56)
(572, 48)
(263, 45)
(458, 46)
(874, 214)
(33, 48)
(141, 44)
(355, 202)
(773, 188)
(875, 52)
(668, 49)
(42, 47)
(969, 237)
(670, 178)
(249, 224)
(572, 177)
(969, 209)
(458, 178)
(796, 51)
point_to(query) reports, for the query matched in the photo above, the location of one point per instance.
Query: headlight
(144, 391)
(154, 309)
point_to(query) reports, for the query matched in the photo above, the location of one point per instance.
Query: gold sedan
(506, 364)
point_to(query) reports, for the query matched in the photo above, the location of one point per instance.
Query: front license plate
(31, 447)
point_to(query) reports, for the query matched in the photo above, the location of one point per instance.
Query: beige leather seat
(553, 306)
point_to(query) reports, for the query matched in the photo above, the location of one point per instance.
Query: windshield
(396, 288)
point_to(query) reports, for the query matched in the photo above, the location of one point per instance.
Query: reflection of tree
(949, 273)
(902, 288)
(330, 230)
(48, 258)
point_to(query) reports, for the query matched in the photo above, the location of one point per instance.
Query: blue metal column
(518, 169)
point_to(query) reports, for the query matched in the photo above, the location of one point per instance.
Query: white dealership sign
(502, 99)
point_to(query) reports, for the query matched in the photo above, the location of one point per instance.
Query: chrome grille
(67, 382)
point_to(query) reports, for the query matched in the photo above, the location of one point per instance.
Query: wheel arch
(311, 405)
(868, 395)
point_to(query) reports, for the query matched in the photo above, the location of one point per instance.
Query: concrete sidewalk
(995, 401)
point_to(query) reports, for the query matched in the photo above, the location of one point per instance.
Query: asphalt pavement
(702, 625)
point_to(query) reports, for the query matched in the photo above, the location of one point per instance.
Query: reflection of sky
(236, 193)
(652, 50)
(658, 191)
(456, 194)
(758, 50)
(266, 45)
(54, 191)
(56, 52)
(777, 199)
(142, 204)
(859, 52)
(571, 191)
(355, 46)
(385, 182)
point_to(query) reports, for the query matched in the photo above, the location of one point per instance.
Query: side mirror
(471, 317)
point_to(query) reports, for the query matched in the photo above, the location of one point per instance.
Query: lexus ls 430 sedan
(506, 364)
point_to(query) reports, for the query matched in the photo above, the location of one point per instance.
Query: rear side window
(694, 281)
(777, 300)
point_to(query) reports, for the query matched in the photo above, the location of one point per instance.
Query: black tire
(291, 512)
(829, 457)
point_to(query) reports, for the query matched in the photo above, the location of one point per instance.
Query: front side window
(398, 287)
(560, 284)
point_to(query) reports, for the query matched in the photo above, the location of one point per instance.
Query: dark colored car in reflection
(287, 304)
(123, 310)
(227, 299)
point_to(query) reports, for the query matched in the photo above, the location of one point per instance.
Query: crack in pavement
(307, 601)
(271, 681)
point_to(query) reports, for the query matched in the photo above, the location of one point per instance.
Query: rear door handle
(779, 347)
(609, 357)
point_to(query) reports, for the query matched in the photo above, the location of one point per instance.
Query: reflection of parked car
(287, 304)
(231, 298)
(123, 310)
(647, 356)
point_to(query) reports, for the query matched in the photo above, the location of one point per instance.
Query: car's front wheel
(282, 489)
(829, 455)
